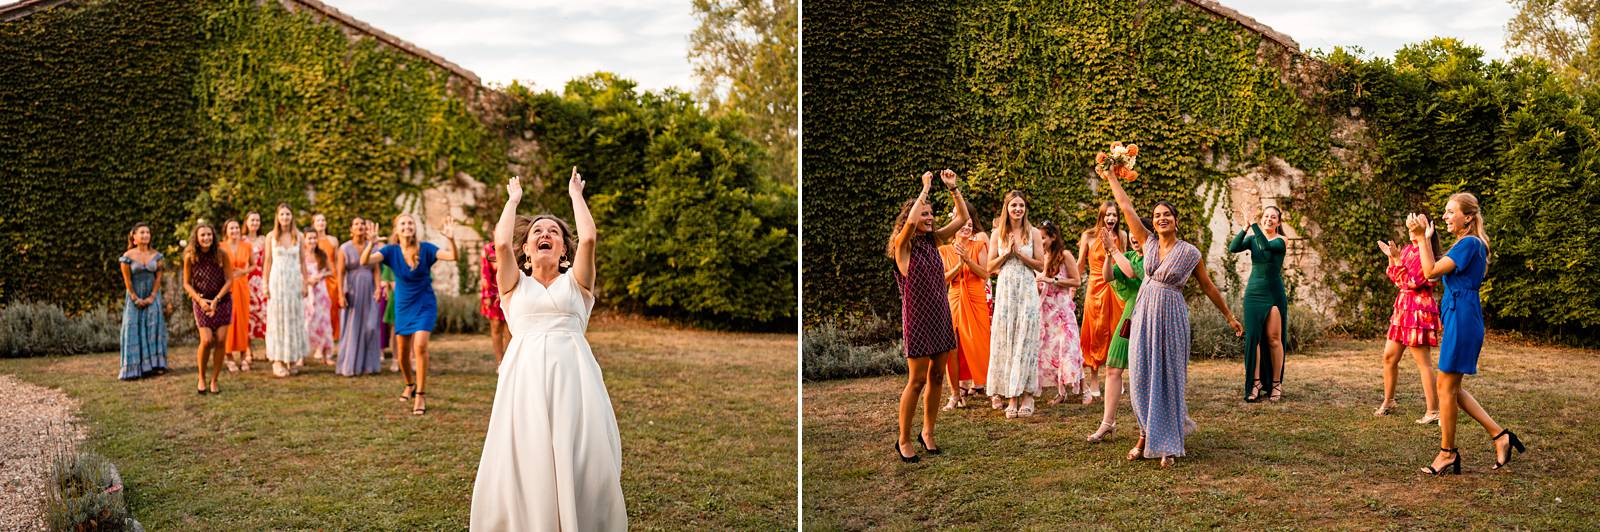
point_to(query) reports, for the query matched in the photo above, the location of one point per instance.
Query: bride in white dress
(552, 459)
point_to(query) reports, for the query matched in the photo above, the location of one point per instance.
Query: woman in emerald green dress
(1124, 269)
(1266, 307)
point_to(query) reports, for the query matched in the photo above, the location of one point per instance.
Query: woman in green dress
(1266, 307)
(1124, 270)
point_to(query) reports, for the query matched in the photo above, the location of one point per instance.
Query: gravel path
(32, 420)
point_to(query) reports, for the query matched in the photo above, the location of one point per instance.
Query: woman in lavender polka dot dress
(1158, 346)
(930, 336)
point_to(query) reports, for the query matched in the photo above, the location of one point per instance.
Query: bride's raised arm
(506, 271)
(583, 257)
(1136, 228)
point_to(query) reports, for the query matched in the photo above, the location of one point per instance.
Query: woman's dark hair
(316, 249)
(193, 253)
(1055, 254)
(1170, 208)
(519, 238)
(900, 221)
(135, 229)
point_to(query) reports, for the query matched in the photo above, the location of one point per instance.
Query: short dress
(1461, 310)
(1415, 320)
(924, 307)
(416, 308)
(208, 279)
(489, 296)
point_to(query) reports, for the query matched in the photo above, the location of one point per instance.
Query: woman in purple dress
(206, 272)
(930, 336)
(1158, 345)
(361, 345)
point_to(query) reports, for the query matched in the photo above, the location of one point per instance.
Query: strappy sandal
(1430, 417)
(1105, 432)
(1383, 410)
(1255, 394)
(1453, 465)
(409, 393)
(1516, 443)
(1167, 461)
(1277, 391)
(950, 405)
(420, 410)
(1011, 411)
(1137, 452)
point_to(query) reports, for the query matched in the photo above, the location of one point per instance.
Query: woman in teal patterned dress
(144, 329)
(1266, 307)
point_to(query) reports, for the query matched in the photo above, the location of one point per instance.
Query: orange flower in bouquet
(1120, 161)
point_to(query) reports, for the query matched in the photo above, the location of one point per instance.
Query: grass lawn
(1317, 460)
(707, 421)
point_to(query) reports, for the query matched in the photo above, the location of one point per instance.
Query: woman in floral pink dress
(1060, 357)
(1413, 326)
(489, 304)
(319, 327)
(258, 284)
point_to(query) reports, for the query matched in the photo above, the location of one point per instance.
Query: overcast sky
(1382, 26)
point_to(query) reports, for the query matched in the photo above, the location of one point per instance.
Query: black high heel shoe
(1516, 443)
(903, 458)
(1255, 394)
(1453, 467)
(924, 445)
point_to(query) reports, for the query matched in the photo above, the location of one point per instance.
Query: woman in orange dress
(1101, 308)
(965, 272)
(239, 252)
(329, 246)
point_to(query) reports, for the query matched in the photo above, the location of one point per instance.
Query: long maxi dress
(330, 249)
(1060, 355)
(1263, 292)
(144, 330)
(1014, 334)
(969, 312)
(1101, 310)
(1159, 348)
(258, 287)
(239, 291)
(286, 313)
(552, 458)
(361, 346)
(319, 330)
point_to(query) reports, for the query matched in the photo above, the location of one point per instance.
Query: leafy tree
(1560, 31)
(745, 53)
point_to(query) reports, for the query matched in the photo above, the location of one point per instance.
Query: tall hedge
(1020, 95)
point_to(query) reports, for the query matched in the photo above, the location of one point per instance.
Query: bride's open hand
(514, 188)
(575, 183)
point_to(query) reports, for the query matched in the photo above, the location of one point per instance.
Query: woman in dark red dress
(930, 338)
(206, 271)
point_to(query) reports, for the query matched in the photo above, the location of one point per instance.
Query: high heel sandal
(924, 443)
(1454, 466)
(419, 410)
(1516, 443)
(1105, 432)
(1255, 393)
(1383, 409)
(950, 405)
(1167, 461)
(1137, 452)
(409, 393)
(1430, 417)
(903, 458)
(1277, 391)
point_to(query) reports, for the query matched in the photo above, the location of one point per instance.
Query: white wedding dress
(552, 459)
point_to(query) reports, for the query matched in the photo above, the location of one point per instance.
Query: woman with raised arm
(1461, 312)
(286, 292)
(965, 272)
(361, 347)
(1124, 270)
(1014, 334)
(240, 252)
(552, 458)
(1413, 325)
(1158, 342)
(1060, 356)
(144, 328)
(206, 270)
(1101, 308)
(928, 332)
(416, 308)
(1266, 306)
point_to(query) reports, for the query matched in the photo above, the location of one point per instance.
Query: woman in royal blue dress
(416, 310)
(1461, 313)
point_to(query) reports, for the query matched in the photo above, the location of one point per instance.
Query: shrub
(32, 329)
(1210, 336)
(828, 353)
(459, 314)
(85, 493)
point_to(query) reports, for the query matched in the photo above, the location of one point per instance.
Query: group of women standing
(1136, 319)
(303, 292)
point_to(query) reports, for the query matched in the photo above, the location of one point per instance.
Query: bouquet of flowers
(1120, 160)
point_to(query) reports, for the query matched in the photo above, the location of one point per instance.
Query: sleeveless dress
(552, 458)
(1415, 320)
(489, 296)
(286, 314)
(330, 249)
(1263, 292)
(318, 304)
(969, 312)
(1159, 348)
(144, 330)
(924, 305)
(1101, 310)
(1127, 290)
(416, 309)
(239, 293)
(258, 288)
(1461, 310)
(1060, 357)
(208, 279)
(1014, 334)
(361, 347)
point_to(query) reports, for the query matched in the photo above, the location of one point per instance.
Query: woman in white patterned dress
(286, 292)
(1014, 333)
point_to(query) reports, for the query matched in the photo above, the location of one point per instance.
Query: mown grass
(707, 422)
(1317, 460)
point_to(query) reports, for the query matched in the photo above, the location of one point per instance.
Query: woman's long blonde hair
(1468, 204)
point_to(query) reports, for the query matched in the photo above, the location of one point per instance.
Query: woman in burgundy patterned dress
(206, 271)
(489, 304)
(930, 336)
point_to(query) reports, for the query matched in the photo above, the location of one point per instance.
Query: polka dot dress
(1158, 349)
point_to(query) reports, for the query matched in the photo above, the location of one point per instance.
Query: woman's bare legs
(1430, 392)
(1108, 416)
(916, 380)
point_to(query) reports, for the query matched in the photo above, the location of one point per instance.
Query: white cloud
(1380, 27)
